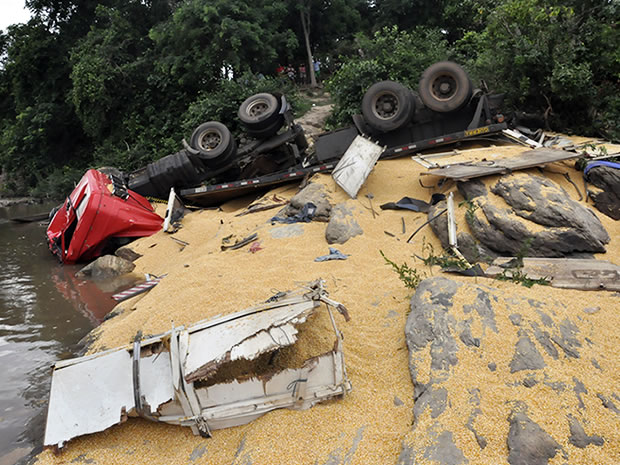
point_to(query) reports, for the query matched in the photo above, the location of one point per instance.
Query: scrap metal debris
(238, 244)
(567, 273)
(527, 159)
(334, 254)
(356, 164)
(138, 289)
(183, 376)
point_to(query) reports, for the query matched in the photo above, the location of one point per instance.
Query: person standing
(302, 73)
(317, 69)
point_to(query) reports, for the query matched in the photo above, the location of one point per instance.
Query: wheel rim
(209, 140)
(385, 105)
(258, 108)
(444, 87)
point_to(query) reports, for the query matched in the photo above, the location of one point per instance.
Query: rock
(284, 232)
(515, 319)
(342, 225)
(444, 451)
(544, 339)
(472, 189)
(127, 253)
(578, 436)
(607, 199)
(536, 217)
(592, 310)
(453, 331)
(528, 443)
(608, 403)
(471, 249)
(526, 356)
(312, 193)
(105, 267)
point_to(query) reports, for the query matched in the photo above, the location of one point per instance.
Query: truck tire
(267, 132)
(260, 111)
(214, 143)
(445, 87)
(387, 106)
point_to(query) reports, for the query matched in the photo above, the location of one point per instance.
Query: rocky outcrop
(531, 214)
(480, 361)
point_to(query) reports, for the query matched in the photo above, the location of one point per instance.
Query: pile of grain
(370, 424)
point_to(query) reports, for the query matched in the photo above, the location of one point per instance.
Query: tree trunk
(305, 24)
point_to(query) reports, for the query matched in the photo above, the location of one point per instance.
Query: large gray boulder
(313, 193)
(490, 367)
(108, 266)
(606, 195)
(472, 249)
(342, 225)
(531, 214)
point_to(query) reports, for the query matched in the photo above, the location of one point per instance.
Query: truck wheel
(260, 111)
(445, 87)
(387, 106)
(269, 131)
(214, 143)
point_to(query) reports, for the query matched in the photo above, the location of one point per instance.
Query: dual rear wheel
(444, 87)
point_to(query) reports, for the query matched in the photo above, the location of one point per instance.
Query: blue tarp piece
(304, 216)
(611, 164)
(334, 254)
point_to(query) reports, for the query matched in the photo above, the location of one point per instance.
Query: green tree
(561, 60)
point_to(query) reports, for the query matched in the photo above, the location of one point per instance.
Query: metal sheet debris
(356, 164)
(175, 377)
(567, 273)
(527, 159)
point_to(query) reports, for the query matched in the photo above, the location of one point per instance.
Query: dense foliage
(121, 82)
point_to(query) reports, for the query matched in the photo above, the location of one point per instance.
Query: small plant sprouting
(515, 273)
(444, 260)
(471, 208)
(407, 275)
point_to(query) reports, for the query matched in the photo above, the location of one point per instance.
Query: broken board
(567, 273)
(525, 160)
(356, 164)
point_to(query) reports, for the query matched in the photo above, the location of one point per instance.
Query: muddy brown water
(44, 312)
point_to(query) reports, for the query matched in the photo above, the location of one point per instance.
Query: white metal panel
(356, 164)
(89, 397)
(155, 380)
(451, 221)
(227, 393)
(212, 346)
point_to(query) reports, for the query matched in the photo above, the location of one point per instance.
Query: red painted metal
(96, 211)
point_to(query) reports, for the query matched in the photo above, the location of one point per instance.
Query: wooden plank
(567, 273)
(525, 160)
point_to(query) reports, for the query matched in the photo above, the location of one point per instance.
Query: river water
(44, 312)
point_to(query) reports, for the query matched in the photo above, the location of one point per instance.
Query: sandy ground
(369, 425)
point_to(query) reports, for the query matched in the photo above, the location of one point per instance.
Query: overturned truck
(211, 168)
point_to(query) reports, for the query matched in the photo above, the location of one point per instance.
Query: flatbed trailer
(209, 195)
